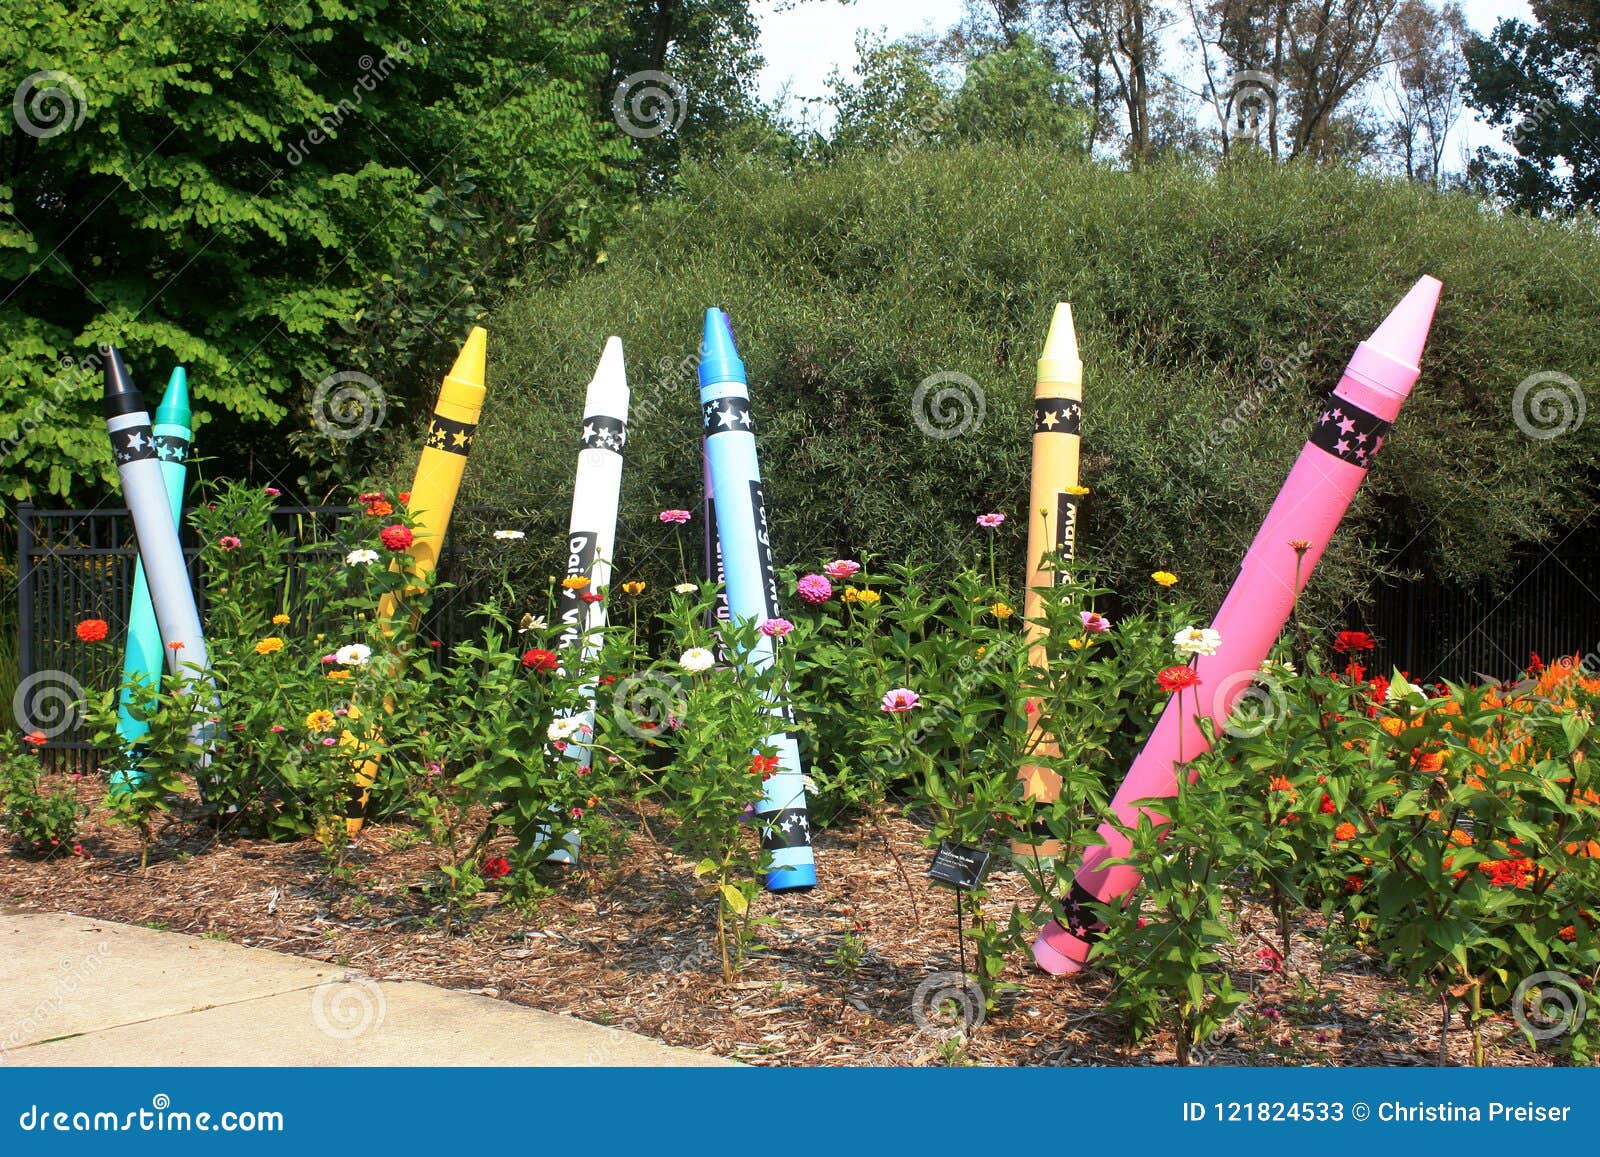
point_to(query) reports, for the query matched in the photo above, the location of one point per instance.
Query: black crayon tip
(122, 396)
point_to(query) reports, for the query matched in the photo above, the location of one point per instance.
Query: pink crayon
(1348, 433)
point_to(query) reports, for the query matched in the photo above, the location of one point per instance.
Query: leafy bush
(41, 820)
(1214, 312)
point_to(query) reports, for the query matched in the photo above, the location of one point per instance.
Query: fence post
(25, 580)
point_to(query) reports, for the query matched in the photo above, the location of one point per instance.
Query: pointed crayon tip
(471, 362)
(719, 358)
(1404, 332)
(174, 406)
(121, 396)
(612, 364)
(1060, 361)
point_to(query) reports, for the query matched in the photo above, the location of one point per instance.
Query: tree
(895, 99)
(271, 192)
(1287, 73)
(1424, 45)
(1540, 84)
(1120, 37)
(1017, 94)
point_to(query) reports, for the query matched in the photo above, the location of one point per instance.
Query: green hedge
(1199, 297)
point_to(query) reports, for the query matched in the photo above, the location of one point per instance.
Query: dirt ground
(634, 949)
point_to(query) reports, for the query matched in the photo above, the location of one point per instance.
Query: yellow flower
(633, 588)
(352, 712)
(270, 645)
(1078, 643)
(1077, 491)
(575, 582)
(280, 620)
(319, 721)
(868, 597)
(348, 740)
(1001, 611)
(1165, 577)
(850, 595)
(338, 674)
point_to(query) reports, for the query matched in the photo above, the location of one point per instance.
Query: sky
(803, 43)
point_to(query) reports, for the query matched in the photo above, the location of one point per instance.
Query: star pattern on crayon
(727, 415)
(1057, 415)
(170, 449)
(1349, 432)
(602, 433)
(450, 436)
(133, 445)
(788, 828)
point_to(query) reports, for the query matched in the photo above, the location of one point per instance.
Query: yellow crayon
(433, 496)
(1052, 529)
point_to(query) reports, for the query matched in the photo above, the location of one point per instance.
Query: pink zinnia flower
(677, 516)
(815, 589)
(990, 521)
(841, 568)
(329, 742)
(272, 491)
(776, 628)
(230, 542)
(1093, 623)
(899, 700)
(277, 729)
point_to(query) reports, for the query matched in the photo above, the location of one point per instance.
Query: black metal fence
(77, 564)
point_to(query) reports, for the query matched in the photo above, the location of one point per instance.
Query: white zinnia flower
(361, 557)
(561, 730)
(353, 655)
(697, 659)
(1197, 641)
(1271, 666)
(509, 535)
(686, 588)
(531, 623)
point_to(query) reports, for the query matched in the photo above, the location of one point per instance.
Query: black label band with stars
(602, 433)
(1057, 415)
(451, 436)
(134, 444)
(786, 828)
(170, 448)
(1349, 432)
(727, 416)
(1082, 921)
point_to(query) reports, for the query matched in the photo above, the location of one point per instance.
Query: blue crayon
(145, 657)
(752, 585)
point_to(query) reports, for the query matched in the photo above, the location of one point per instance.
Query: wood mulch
(631, 946)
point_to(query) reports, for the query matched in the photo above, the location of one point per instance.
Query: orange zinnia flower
(1345, 831)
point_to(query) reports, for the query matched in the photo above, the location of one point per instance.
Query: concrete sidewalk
(75, 991)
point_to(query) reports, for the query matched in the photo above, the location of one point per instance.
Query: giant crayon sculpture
(1052, 529)
(433, 497)
(1349, 431)
(592, 533)
(144, 489)
(144, 658)
(752, 584)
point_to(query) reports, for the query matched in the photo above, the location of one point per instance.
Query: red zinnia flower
(1175, 679)
(1326, 806)
(1347, 641)
(38, 739)
(495, 867)
(539, 659)
(396, 537)
(591, 597)
(92, 630)
(762, 764)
